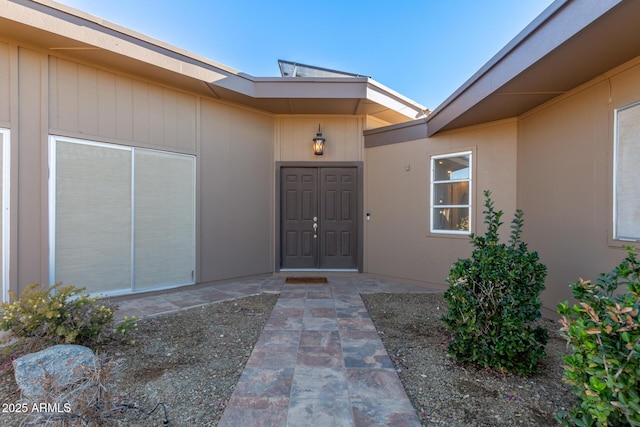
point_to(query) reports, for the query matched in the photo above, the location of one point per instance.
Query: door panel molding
(339, 237)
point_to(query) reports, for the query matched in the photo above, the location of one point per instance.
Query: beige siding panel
(215, 183)
(156, 115)
(87, 97)
(5, 83)
(124, 108)
(343, 134)
(398, 242)
(185, 122)
(169, 125)
(92, 102)
(31, 170)
(141, 113)
(107, 107)
(64, 96)
(236, 172)
(565, 184)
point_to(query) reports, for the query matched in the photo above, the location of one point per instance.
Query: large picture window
(626, 203)
(451, 193)
(121, 218)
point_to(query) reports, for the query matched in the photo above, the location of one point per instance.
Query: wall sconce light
(318, 143)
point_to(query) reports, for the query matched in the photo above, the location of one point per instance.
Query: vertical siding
(236, 192)
(107, 123)
(31, 211)
(5, 83)
(92, 102)
(343, 134)
(87, 107)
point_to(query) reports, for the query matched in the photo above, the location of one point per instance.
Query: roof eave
(55, 26)
(557, 25)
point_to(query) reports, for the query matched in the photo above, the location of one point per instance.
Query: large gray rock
(54, 368)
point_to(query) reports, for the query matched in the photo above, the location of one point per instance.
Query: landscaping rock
(54, 368)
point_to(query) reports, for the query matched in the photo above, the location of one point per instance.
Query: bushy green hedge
(603, 331)
(61, 314)
(493, 297)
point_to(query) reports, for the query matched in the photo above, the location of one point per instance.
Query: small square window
(451, 193)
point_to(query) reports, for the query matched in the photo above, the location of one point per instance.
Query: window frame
(6, 211)
(52, 199)
(434, 182)
(616, 151)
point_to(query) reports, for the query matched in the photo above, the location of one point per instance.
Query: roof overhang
(51, 26)
(570, 43)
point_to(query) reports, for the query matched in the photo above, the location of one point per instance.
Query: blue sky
(423, 49)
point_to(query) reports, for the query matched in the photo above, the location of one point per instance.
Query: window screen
(164, 218)
(92, 216)
(122, 218)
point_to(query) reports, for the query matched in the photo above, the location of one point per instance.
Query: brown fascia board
(560, 22)
(394, 134)
(310, 88)
(79, 31)
(59, 19)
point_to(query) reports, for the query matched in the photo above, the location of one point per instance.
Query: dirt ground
(190, 362)
(447, 394)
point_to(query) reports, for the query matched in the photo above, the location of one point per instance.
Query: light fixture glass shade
(318, 143)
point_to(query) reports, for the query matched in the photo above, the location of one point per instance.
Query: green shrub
(493, 297)
(61, 314)
(604, 335)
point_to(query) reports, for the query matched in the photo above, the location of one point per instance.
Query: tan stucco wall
(565, 170)
(397, 177)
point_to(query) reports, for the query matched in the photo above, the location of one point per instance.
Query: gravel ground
(191, 361)
(447, 394)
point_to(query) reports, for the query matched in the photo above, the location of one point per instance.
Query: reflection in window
(626, 203)
(451, 193)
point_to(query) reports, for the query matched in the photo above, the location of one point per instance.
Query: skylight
(294, 69)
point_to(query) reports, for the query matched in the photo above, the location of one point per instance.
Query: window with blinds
(122, 218)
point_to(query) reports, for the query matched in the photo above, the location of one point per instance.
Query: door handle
(315, 230)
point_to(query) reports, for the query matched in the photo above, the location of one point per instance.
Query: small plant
(61, 314)
(493, 297)
(603, 332)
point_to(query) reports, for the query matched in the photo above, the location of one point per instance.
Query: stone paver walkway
(319, 360)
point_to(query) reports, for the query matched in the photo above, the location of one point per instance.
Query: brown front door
(318, 218)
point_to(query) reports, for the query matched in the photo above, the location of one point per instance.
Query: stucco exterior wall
(565, 179)
(397, 176)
